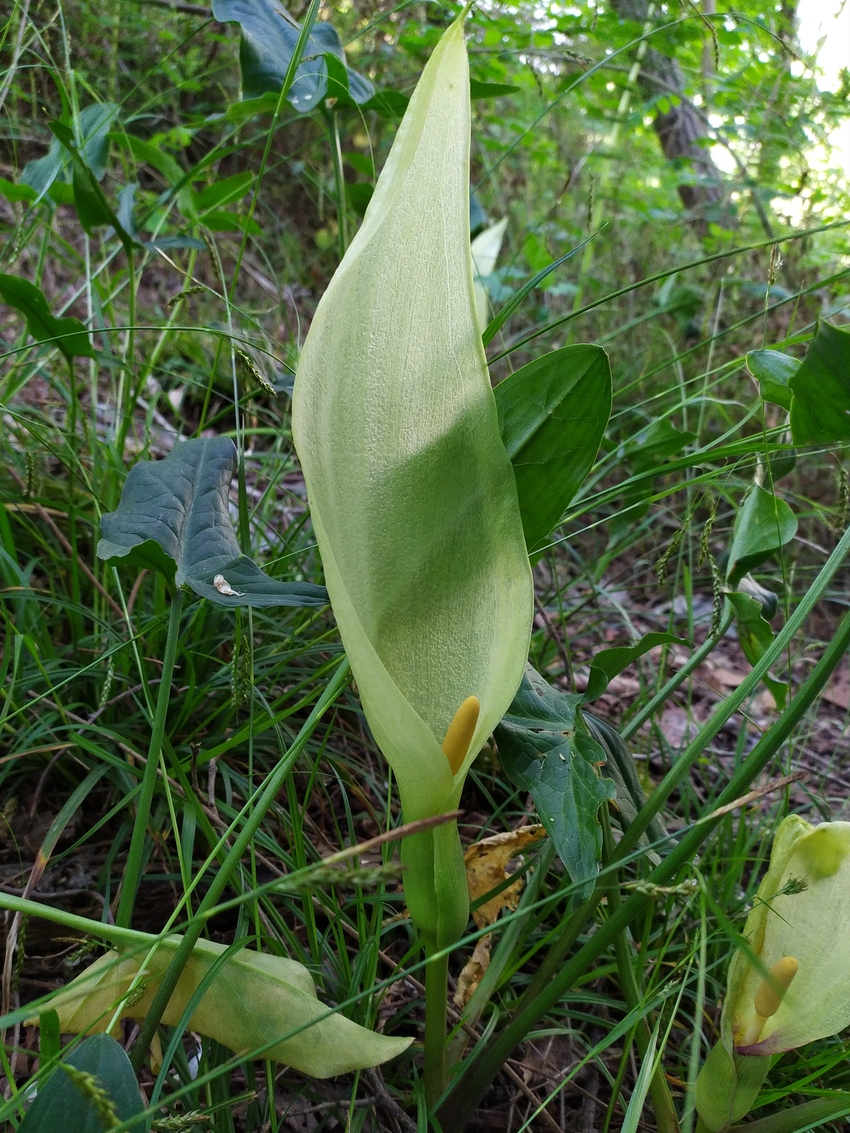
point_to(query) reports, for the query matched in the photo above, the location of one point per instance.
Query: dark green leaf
(126, 205)
(66, 1104)
(222, 192)
(90, 201)
(358, 196)
(609, 663)
(49, 1036)
(763, 525)
(490, 90)
(820, 411)
(174, 517)
(388, 104)
(773, 371)
(653, 445)
(156, 158)
(755, 636)
(546, 751)
(269, 38)
(13, 191)
(95, 123)
(70, 336)
(552, 415)
(220, 220)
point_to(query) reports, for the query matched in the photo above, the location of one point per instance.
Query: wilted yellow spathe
(254, 1001)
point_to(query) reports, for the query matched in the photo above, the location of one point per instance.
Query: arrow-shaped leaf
(609, 663)
(174, 517)
(546, 751)
(269, 38)
(90, 201)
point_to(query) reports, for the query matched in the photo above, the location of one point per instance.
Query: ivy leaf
(546, 751)
(174, 518)
(552, 416)
(69, 335)
(269, 38)
(63, 1103)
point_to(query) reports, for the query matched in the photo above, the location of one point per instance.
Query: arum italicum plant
(412, 495)
(791, 985)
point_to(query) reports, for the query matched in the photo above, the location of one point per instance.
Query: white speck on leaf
(223, 587)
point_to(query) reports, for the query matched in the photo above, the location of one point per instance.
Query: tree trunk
(681, 130)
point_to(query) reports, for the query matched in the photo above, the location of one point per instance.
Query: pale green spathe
(411, 491)
(485, 251)
(802, 910)
(252, 1001)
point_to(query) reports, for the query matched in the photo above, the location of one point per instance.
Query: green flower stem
(436, 1009)
(267, 796)
(475, 1076)
(135, 858)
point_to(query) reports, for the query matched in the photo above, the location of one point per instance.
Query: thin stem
(436, 1015)
(123, 413)
(133, 871)
(694, 661)
(332, 120)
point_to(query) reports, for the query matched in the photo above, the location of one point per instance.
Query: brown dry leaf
(473, 970)
(837, 692)
(678, 726)
(486, 863)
